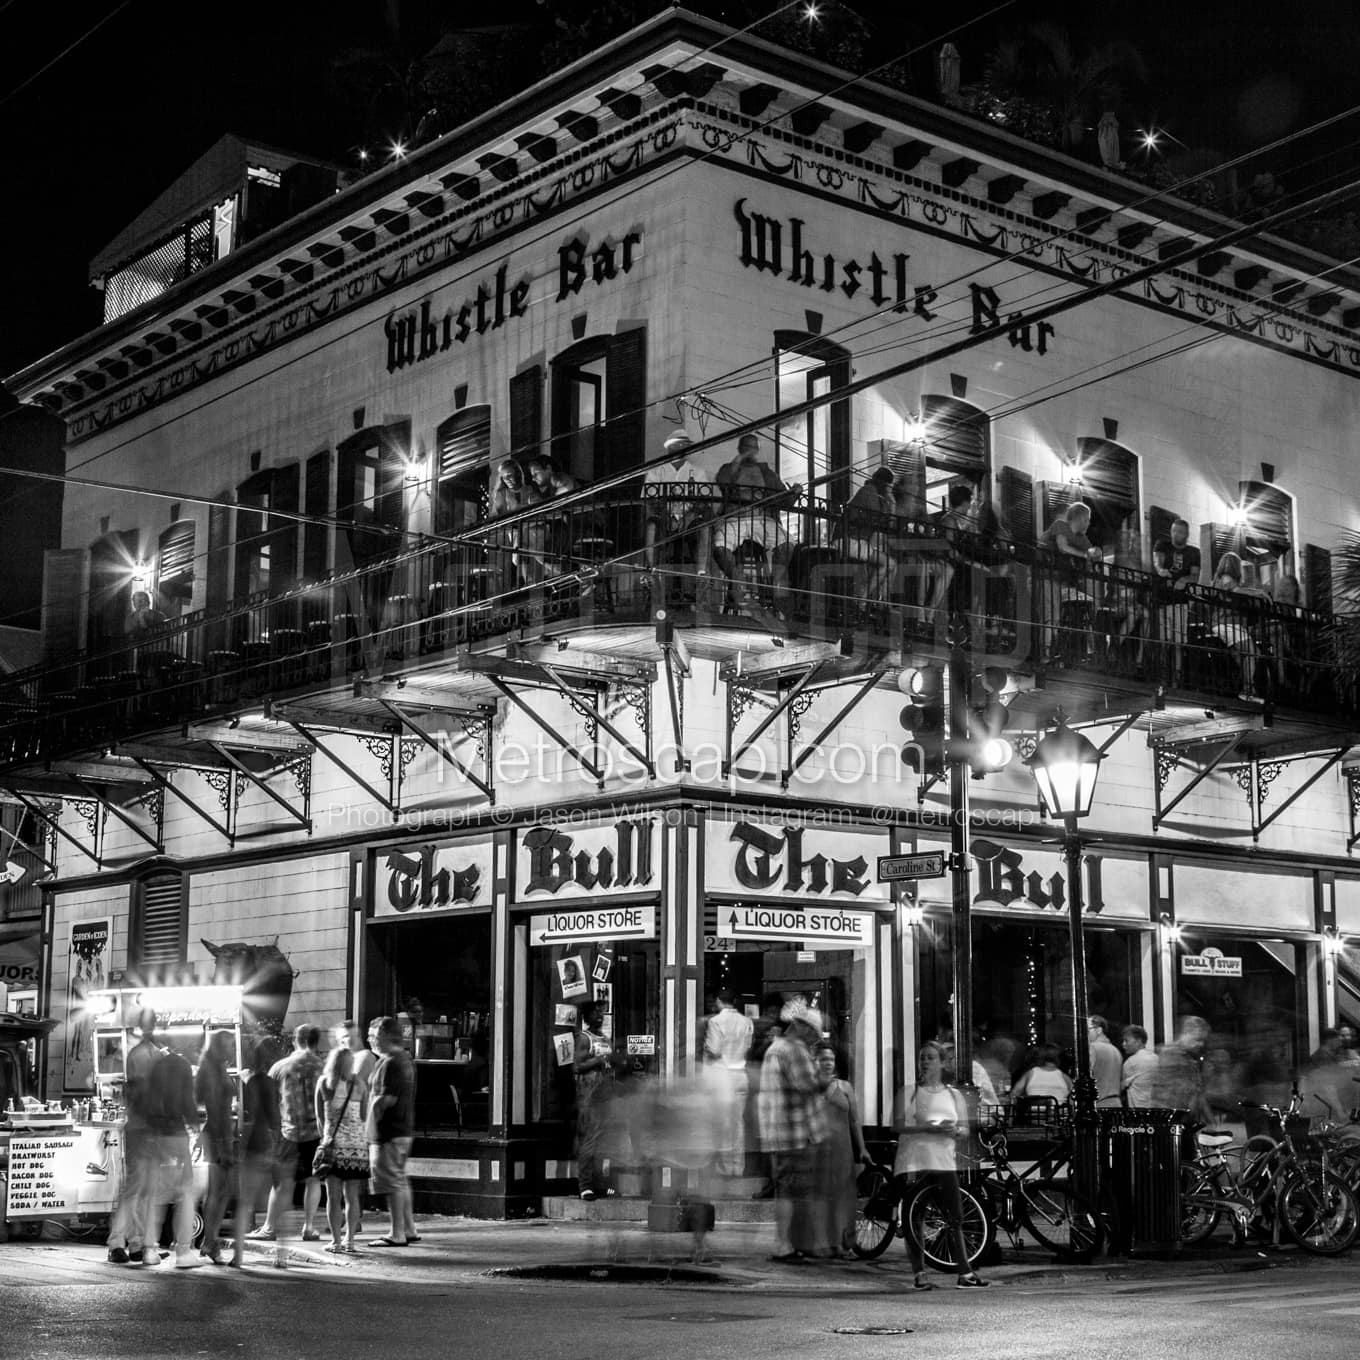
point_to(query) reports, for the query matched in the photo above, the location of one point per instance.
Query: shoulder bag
(323, 1163)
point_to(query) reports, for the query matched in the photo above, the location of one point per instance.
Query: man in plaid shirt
(297, 1076)
(791, 1126)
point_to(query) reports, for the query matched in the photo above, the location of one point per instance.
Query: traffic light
(924, 719)
(988, 750)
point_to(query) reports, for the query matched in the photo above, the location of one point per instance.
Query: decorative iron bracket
(581, 759)
(223, 829)
(303, 818)
(739, 698)
(1353, 803)
(675, 659)
(317, 744)
(1261, 775)
(444, 749)
(796, 763)
(156, 842)
(1161, 812)
(644, 758)
(50, 816)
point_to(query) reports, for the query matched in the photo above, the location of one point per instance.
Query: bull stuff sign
(590, 861)
(1006, 878)
(784, 249)
(787, 862)
(414, 336)
(417, 880)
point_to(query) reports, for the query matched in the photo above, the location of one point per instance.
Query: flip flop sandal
(385, 1242)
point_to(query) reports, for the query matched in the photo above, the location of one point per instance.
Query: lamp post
(1065, 765)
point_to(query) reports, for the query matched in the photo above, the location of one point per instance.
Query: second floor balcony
(600, 569)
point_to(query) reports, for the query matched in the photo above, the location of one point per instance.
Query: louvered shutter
(218, 563)
(958, 435)
(1109, 474)
(1317, 577)
(908, 465)
(1054, 498)
(283, 533)
(65, 587)
(1160, 521)
(316, 501)
(1017, 505)
(625, 402)
(161, 926)
(176, 560)
(395, 449)
(1223, 538)
(526, 411)
(1269, 515)
(464, 440)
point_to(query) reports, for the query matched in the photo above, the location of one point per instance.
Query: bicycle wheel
(1200, 1216)
(1319, 1212)
(876, 1217)
(1057, 1219)
(928, 1224)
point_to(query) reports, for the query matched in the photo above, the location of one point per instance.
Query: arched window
(599, 395)
(812, 448)
(1103, 475)
(463, 452)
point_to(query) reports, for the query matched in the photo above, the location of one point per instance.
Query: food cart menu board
(44, 1176)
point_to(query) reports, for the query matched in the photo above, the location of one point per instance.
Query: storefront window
(438, 972)
(625, 979)
(1251, 992)
(1022, 987)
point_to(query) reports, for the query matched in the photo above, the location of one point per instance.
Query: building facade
(476, 754)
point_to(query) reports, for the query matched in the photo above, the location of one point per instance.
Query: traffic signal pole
(960, 678)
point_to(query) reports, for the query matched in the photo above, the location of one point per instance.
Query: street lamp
(1065, 765)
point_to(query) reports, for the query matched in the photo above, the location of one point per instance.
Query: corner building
(476, 763)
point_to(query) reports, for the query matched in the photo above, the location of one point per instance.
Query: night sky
(93, 139)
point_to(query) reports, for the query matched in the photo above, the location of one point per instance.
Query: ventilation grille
(162, 919)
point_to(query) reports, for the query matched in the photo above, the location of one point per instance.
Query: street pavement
(596, 1290)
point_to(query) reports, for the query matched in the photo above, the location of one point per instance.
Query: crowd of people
(336, 1125)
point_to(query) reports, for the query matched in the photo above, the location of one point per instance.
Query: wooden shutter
(395, 449)
(526, 411)
(1054, 498)
(1109, 474)
(1317, 578)
(908, 465)
(65, 584)
(316, 538)
(625, 402)
(175, 576)
(283, 535)
(958, 434)
(1222, 538)
(463, 440)
(1016, 507)
(1160, 521)
(1269, 514)
(217, 566)
(160, 921)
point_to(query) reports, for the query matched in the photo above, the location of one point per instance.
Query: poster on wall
(603, 963)
(564, 1045)
(604, 996)
(564, 1015)
(572, 973)
(87, 970)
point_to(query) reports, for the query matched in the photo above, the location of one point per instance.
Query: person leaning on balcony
(143, 618)
(674, 503)
(509, 493)
(1177, 564)
(1233, 626)
(1073, 553)
(752, 501)
(868, 514)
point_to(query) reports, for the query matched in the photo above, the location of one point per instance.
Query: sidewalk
(622, 1252)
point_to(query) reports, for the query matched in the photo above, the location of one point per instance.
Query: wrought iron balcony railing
(796, 566)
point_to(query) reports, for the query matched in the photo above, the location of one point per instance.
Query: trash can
(1140, 1164)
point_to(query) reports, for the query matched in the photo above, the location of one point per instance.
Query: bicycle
(889, 1212)
(1275, 1189)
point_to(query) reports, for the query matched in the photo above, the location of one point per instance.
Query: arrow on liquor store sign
(811, 925)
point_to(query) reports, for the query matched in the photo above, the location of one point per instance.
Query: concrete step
(633, 1209)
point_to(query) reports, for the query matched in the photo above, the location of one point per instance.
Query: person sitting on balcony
(868, 515)
(510, 492)
(1068, 592)
(752, 501)
(144, 618)
(1234, 624)
(1176, 563)
(957, 523)
(675, 501)
(556, 535)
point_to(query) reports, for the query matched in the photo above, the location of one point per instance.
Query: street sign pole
(960, 682)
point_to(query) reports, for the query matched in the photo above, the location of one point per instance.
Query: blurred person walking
(260, 1124)
(132, 1233)
(1179, 1081)
(841, 1155)
(593, 1065)
(215, 1091)
(172, 1112)
(1107, 1067)
(1138, 1078)
(296, 1077)
(791, 1126)
(727, 1042)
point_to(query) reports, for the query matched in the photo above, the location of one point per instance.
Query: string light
(398, 150)
(811, 12)
(1150, 138)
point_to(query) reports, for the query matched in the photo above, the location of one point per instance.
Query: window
(113, 577)
(175, 562)
(266, 541)
(159, 929)
(369, 497)
(1103, 475)
(464, 452)
(812, 448)
(599, 418)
